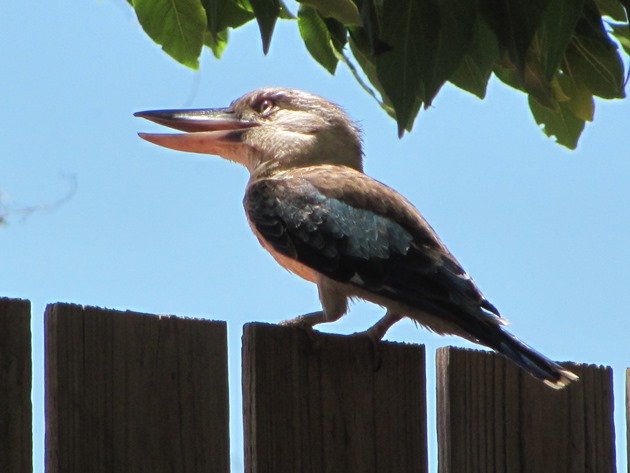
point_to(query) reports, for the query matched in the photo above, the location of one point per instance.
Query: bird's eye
(265, 106)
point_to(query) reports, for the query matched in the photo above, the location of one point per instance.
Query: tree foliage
(561, 53)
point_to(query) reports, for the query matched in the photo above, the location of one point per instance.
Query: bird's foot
(306, 320)
(306, 323)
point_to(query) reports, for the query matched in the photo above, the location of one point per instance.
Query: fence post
(325, 404)
(134, 392)
(493, 417)
(16, 443)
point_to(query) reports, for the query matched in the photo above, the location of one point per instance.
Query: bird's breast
(286, 262)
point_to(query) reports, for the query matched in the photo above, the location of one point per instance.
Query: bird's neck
(263, 164)
(273, 167)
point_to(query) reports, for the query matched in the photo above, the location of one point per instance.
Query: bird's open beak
(208, 131)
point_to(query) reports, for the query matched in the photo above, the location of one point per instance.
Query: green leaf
(534, 81)
(224, 14)
(267, 13)
(613, 9)
(558, 92)
(531, 81)
(531, 77)
(578, 99)
(476, 67)
(562, 124)
(221, 15)
(592, 57)
(558, 25)
(212, 8)
(371, 13)
(342, 10)
(338, 34)
(285, 14)
(359, 45)
(217, 43)
(407, 26)
(514, 22)
(177, 25)
(622, 34)
(456, 20)
(317, 38)
(506, 72)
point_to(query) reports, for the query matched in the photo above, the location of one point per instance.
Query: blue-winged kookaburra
(312, 207)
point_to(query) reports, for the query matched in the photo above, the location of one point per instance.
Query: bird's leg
(376, 333)
(334, 304)
(306, 321)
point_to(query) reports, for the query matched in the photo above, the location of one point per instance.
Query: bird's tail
(536, 364)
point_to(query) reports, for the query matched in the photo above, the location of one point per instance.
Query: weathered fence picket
(134, 392)
(331, 403)
(15, 387)
(493, 417)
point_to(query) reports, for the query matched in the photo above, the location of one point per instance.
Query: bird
(311, 206)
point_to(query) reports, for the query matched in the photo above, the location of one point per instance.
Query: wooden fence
(130, 392)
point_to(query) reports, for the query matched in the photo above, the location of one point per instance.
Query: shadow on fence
(130, 392)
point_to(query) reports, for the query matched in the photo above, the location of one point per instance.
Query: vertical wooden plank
(521, 424)
(314, 406)
(16, 442)
(134, 392)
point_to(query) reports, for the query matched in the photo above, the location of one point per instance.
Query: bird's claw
(305, 323)
(300, 321)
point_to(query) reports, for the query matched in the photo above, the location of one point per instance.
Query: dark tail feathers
(536, 364)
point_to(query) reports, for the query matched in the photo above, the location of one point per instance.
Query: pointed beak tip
(142, 114)
(143, 136)
(150, 137)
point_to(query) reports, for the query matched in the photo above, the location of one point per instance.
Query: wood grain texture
(129, 392)
(492, 417)
(16, 443)
(321, 406)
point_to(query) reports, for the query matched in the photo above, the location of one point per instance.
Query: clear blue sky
(544, 231)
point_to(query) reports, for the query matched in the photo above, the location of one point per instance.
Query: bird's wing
(355, 230)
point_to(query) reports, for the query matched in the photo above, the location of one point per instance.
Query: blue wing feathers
(341, 241)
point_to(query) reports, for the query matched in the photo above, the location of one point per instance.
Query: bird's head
(266, 130)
